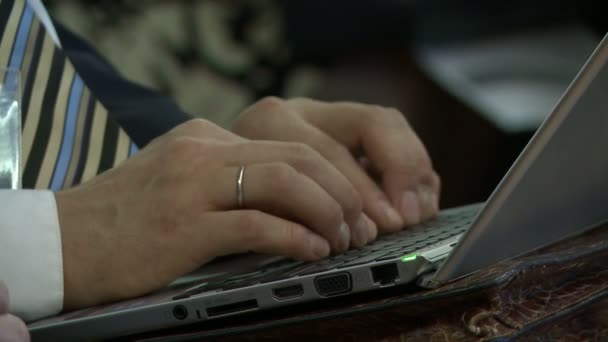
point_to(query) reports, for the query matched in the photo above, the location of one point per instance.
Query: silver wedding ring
(240, 193)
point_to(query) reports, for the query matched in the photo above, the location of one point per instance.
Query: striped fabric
(68, 136)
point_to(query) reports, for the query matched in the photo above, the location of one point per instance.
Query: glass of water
(10, 129)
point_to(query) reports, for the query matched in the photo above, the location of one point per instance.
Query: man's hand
(173, 207)
(12, 329)
(366, 143)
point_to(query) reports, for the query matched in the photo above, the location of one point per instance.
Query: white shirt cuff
(31, 262)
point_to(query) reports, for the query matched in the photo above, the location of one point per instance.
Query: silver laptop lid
(557, 187)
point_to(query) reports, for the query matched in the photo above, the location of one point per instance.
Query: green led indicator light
(409, 257)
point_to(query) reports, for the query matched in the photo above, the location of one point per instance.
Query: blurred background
(474, 78)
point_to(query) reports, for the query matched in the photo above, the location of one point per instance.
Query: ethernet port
(386, 274)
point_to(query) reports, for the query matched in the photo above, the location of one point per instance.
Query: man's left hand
(12, 329)
(373, 146)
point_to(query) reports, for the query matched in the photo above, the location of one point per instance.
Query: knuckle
(334, 214)
(199, 123)
(297, 100)
(304, 156)
(354, 203)
(282, 176)
(160, 140)
(416, 160)
(292, 235)
(180, 147)
(395, 114)
(301, 150)
(423, 163)
(418, 168)
(315, 166)
(269, 106)
(248, 222)
(378, 115)
(265, 110)
(375, 112)
(338, 151)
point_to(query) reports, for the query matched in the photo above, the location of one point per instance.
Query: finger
(391, 146)
(375, 203)
(407, 178)
(13, 329)
(372, 232)
(407, 174)
(428, 196)
(252, 230)
(305, 160)
(278, 189)
(397, 153)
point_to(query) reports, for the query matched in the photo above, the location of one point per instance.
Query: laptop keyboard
(386, 247)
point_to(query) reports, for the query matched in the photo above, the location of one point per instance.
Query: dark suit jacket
(143, 113)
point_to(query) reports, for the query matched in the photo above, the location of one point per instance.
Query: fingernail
(372, 229)
(344, 236)
(435, 201)
(319, 246)
(392, 216)
(366, 230)
(428, 200)
(360, 231)
(410, 209)
(424, 195)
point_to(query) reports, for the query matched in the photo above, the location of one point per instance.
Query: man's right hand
(173, 207)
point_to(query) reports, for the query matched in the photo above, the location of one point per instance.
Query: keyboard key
(431, 241)
(237, 285)
(322, 267)
(275, 273)
(244, 276)
(368, 258)
(297, 271)
(386, 247)
(393, 248)
(393, 255)
(181, 296)
(206, 287)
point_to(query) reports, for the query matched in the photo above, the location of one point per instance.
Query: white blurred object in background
(514, 80)
(10, 130)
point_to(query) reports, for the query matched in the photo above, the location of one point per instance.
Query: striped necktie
(68, 136)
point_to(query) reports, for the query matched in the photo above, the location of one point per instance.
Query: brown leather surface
(558, 293)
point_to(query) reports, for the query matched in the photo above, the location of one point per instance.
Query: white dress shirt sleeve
(31, 263)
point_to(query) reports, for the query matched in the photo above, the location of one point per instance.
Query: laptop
(558, 187)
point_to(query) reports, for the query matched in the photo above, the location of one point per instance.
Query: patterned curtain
(213, 56)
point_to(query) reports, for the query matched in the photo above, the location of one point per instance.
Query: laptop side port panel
(232, 308)
(334, 284)
(288, 292)
(180, 312)
(385, 275)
